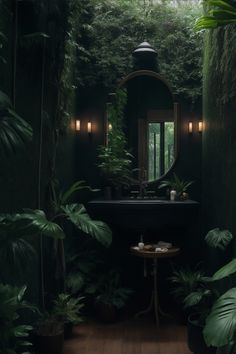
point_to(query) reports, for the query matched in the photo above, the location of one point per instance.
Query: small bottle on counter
(141, 244)
(172, 195)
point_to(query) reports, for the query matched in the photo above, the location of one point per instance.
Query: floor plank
(127, 337)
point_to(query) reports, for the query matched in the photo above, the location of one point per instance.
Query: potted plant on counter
(111, 297)
(179, 186)
(204, 292)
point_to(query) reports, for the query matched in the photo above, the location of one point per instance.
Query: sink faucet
(143, 183)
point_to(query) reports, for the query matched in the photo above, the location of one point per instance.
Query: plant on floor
(218, 13)
(14, 334)
(205, 297)
(177, 184)
(110, 296)
(68, 309)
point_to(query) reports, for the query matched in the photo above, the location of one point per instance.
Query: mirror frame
(176, 111)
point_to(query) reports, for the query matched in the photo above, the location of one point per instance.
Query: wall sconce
(200, 126)
(190, 127)
(109, 127)
(77, 125)
(89, 127)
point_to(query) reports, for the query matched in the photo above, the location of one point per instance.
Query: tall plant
(115, 160)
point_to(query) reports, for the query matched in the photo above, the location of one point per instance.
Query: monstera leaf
(217, 238)
(78, 215)
(221, 323)
(37, 223)
(15, 132)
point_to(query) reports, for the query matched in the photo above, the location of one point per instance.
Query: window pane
(153, 151)
(169, 144)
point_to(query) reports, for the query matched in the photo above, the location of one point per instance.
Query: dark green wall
(219, 138)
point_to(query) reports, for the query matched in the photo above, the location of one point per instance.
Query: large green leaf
(221, 323)
(78, 215)
(217, 238)
(37, 223)
(226, 270)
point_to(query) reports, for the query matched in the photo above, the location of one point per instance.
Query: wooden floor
(128, 337)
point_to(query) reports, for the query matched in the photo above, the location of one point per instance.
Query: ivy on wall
(117, 27)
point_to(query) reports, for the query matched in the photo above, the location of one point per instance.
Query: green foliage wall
(219, 138)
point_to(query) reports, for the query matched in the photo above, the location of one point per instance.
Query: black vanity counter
(144, 213)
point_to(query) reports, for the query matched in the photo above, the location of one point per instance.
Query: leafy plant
(13, 335)
(175, 183)
(115, 160)
(214, 298)
(217, 238)
(67, 309)
(110, 292)
(218, 13)
(14, 131)
(203, 290)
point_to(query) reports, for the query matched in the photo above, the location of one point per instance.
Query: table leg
(156, 302)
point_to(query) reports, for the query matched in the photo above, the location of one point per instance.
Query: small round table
(155, 255)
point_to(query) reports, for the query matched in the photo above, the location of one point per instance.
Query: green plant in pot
(178, 185)
(204, 291)
(14, 336)
(68, 310)
(110, 297)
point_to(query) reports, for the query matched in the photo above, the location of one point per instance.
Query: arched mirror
(150, 123)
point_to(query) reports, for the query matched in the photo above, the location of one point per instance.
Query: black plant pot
(196, 341)
(68, 330)
(49, 344)
(106, 313)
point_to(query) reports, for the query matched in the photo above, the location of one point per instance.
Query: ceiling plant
(218, 13)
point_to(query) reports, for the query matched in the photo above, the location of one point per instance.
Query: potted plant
(110, 297)
(177, 185)
(49, 335)
(68, 311)
(14, 335)
(204, 291)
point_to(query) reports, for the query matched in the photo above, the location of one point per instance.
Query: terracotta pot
(196, 341)
(49, 344)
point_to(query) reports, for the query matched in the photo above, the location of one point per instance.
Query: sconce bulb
(200, 126)
(109, 127)
(190, 127)
(89, 127)
(77, 125)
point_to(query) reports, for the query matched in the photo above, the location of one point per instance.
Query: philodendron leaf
(36, 222)
(217, 238)
(225, 271)
(78, 215)
(221, 323)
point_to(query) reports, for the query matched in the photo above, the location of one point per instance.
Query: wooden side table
(154, 255)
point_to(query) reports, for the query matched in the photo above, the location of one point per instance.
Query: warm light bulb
(89, 127)
(77, 125)
(200, 126)
(110, 127)
(190, 127)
